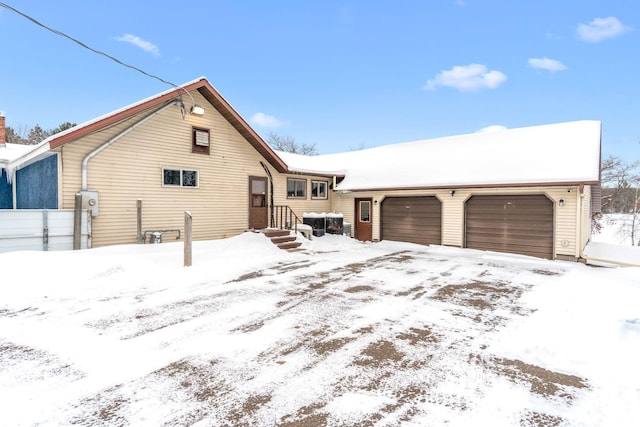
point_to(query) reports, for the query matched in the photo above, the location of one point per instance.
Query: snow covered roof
(10, 152)
(560, 153)
(21, 155)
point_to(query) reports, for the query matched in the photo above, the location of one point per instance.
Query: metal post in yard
(77, 222)
(188, 238)
(45, 230)
(139, 220)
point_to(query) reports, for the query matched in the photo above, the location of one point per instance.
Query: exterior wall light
(198, 111)
(452, 192)
(561, 202)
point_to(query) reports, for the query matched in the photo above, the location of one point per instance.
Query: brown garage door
(516, 224)
(411, 219)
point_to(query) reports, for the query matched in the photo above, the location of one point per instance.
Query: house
(185, 149)
(139, 168)
(526, 190)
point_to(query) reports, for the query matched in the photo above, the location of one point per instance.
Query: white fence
(41, 230)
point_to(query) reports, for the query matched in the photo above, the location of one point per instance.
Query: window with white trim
(175, 177)
(319, 189)
(296, 188)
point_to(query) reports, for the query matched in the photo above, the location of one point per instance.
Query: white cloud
(142, 44)
(492, 128)
(265, 120)
(547, 64)
(600, 29)
(467, 78)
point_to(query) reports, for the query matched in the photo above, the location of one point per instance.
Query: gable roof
(555, 154)
(203, 86)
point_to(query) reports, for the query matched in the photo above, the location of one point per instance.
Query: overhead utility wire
(60, 33)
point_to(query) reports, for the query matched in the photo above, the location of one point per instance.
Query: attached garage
(412, 219)
(521, 224)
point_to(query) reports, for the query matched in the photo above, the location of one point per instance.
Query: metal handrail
(279, 216)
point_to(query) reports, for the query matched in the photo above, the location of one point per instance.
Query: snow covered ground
(616, 229)
(339, 333)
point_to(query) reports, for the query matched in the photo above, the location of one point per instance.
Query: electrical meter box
(90, 201)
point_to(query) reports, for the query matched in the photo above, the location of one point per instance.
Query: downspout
(266, 169)
(14, 192)
(89, 156)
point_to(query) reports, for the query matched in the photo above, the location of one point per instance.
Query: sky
(340, 75)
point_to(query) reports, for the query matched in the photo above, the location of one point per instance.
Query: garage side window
(175, 177)
(296, 188)
(319, 189)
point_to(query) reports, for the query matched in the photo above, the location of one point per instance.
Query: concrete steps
(283, 239)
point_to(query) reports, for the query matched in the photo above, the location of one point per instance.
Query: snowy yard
(339, 333)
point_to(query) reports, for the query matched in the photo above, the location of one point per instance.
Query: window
(179, 177)
(258, 192)
(296, 188)
(200, 141)
(365, 211)
(319, 189)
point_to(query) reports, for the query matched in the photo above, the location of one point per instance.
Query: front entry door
(258, 212)
(363, 220)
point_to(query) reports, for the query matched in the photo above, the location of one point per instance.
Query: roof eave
(236, 120)
(472, 186)
(203, 86)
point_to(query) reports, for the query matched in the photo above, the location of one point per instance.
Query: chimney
(3, 133)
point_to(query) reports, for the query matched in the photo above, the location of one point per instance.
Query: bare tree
(621, 194)
(360, 146)
(289, 144)
(35, 135)
(17, 136)
(634, 232)
(619, 180)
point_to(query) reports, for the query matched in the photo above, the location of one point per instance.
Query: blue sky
(341, 75)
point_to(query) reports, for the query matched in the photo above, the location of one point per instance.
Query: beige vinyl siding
(344, 204)
(131, 169)
(300, 206)
(452, 217)
(567, 223)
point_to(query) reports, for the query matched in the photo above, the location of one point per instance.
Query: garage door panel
(498, 232)
(516, 224)
(411, 219)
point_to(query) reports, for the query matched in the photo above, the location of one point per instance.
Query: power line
(60, 33)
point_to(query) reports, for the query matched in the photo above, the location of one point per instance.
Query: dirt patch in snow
(479, 295)
(359, 288)
(540, 381)
(26, 363)
(418, 336)
(378, 353)
(326, 335)
(538, 419)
